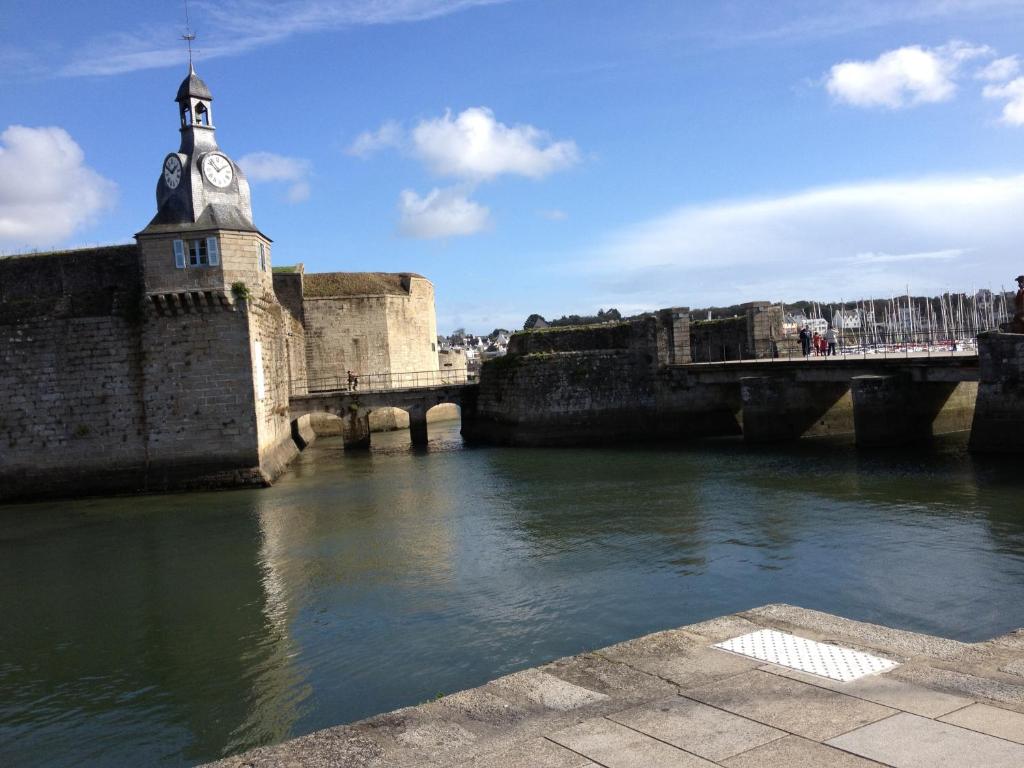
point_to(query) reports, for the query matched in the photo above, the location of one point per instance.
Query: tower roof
(192, 86)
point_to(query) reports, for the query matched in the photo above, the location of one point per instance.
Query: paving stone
(547, 690)
(1015, 667)
(616, 746)
(909, 741)
(882, 689)
(689, 666)
(721, 628)
(991, 720)
(790, 705)
(1011, 694)
(479, 705)
(794, 752)
(697, 728)
(619, 681)
(536, 753)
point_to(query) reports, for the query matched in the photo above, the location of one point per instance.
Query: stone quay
(674, 699)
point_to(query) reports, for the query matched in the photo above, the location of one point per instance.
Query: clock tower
(202, 236)
(215, 340)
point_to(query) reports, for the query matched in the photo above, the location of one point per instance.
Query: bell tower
(214, 337)
(202, 237)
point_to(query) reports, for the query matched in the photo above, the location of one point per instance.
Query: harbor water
(172, 630)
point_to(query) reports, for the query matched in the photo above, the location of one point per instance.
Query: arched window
(186, 117)
(202, 114)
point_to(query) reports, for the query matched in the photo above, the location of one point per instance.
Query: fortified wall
(756, 334)
(107, 387)
(560, 386)
(367, 323)
(631, 381)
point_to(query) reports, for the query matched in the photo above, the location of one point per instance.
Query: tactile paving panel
(831, 661)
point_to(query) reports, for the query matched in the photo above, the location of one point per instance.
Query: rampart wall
(71, 370)
(103, 390)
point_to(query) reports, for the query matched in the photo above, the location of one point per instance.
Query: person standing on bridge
(830, 338)
(805, 340)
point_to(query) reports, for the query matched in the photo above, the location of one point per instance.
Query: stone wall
(200, 412)
(603, 383)
(755, 334)
(393, 332)
(412, 328)
(239, 264)
(70, 372)
(271, 387)
(288, 289)
(998, 425)
(662, 337)
(103, 389)
(342, 334)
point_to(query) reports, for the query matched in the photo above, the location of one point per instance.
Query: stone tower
(202, 237)
(214, 335)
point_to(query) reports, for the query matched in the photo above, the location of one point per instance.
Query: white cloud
(475, 146)
(554, 214)
(441, 213)
(903, 77)
(1000, 70)
(1013, 92)
(830, 242)
(389, 135)
(267, 166)
(46, 190)
(237, 26)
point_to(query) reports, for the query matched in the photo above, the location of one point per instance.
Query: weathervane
(188, 37)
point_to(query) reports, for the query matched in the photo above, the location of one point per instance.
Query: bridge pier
(777, 408)
(895, 410)
(999, 415)
(355, 430)
(418, 426)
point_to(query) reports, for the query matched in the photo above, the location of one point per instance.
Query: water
(170, 630)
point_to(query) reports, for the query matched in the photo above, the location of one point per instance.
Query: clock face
(172, 171)
(217, 170)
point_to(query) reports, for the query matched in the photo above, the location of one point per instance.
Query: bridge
(354, 399)
(880, 399)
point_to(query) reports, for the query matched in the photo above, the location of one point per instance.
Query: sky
(549, 156)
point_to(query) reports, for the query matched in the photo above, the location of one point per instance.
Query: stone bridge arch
(354, 409)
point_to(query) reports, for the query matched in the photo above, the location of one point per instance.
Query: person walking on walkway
(818, 343)
(830, 338)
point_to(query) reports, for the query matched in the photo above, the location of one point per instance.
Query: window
(198, 255)
(202, 252)
(263, 258)
(202, 114)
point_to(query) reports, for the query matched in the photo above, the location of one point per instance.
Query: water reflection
(171, 630)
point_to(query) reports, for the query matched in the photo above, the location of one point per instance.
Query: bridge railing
(380, 382)
(849, 344)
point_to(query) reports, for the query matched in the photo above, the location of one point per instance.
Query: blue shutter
(212, 250)
(179, 254)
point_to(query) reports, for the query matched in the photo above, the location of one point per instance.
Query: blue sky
(551, 156)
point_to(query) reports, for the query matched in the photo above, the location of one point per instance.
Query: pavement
(671, 699)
